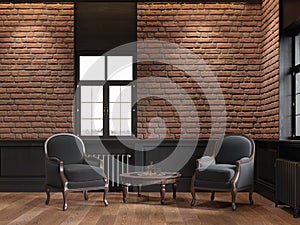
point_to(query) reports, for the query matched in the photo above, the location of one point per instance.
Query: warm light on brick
(36, 69)
(238, 41)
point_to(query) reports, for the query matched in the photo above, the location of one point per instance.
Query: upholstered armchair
(229, 168)
(69, 169)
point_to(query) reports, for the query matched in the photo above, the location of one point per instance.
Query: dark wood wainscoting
(22, 166)
(290, 150)
(264, 175)
(22, 162)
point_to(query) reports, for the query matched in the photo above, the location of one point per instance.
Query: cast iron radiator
(113, 169)
(288, 184)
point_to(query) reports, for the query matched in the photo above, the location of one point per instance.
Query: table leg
(162, 193)
(174, 190)
(139, 190)
(125, 191)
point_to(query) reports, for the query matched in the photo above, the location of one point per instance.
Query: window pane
(114, 127)
(91, 68)
(91, 93)
(86, 110)
(297, 50)
(126, 127)
(97, 127)
(297, 83)
(297, 104)
(91, 110)
(86, 127)
(126, 110)
(114, 93)
(115, 110)
(125, 93)
(297, 125)
(91, 127)
(119, 68)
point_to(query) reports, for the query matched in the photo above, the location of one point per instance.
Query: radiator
(288, 184)
(113, 169)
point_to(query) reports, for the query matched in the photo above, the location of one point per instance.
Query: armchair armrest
(245, 171)
(244, 160)
(92, 161)
(55, 172)
(54, 160)
(205, 161)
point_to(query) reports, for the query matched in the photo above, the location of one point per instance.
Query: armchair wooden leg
(250, 196)
(86, 196)
(65, 197)
(162, 193)
(212, 196)
(104, 197)
(233, 196)
(48, 195)
(174, 186)
(193, 195)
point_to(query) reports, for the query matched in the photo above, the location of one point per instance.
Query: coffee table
(141, 178)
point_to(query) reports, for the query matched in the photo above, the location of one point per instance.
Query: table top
(146, 176)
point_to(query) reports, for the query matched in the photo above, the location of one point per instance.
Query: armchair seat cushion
(86, 184)
(82, 172)
(216, 173)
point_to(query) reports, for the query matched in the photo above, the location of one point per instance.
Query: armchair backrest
(233, 148)
(66, 147)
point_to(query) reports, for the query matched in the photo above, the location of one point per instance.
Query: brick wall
(228, 37)
(238, 41)
(269, 111)
(36, 70)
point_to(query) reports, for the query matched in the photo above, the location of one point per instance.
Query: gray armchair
(230, 169)
(69, 169)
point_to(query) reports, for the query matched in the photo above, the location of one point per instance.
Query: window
(105, 96)
(295, 70)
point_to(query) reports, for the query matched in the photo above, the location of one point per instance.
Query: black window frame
(106, 83)
(294, 71)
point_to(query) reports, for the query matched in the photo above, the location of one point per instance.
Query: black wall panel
(290, 12)
(22, 165)
(265, 156)
(22, 162)
(101, 26)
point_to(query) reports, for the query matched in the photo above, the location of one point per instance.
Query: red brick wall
(36, 69)
(238, 41)
(269, 111)
(228, 37)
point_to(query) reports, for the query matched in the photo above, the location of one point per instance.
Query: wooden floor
(30, 208)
